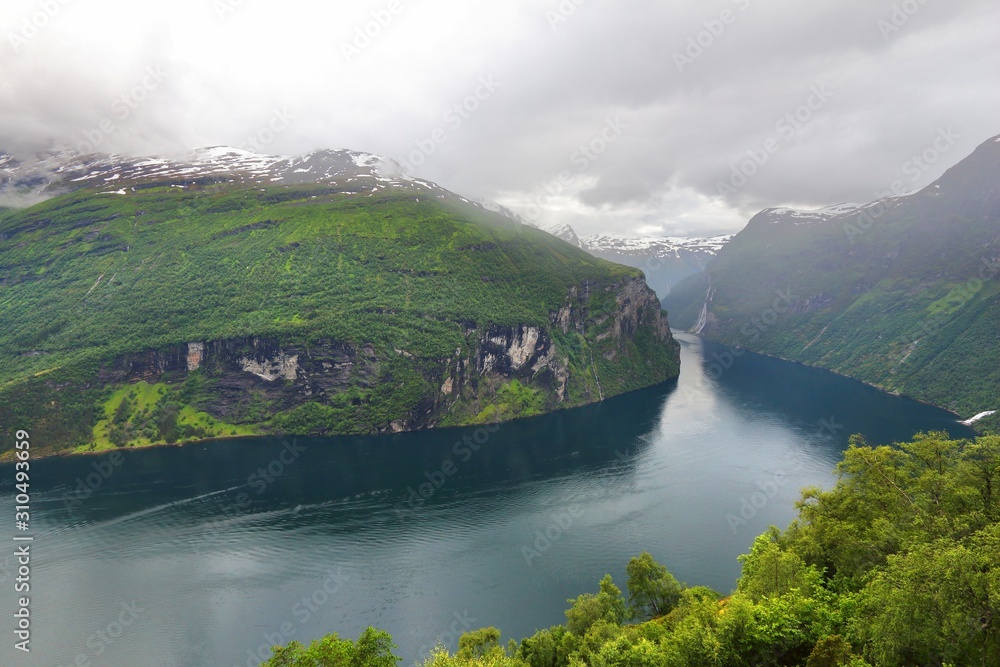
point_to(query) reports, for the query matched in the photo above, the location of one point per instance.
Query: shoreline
(5, 459)
(958, 416)
(69, 453)
(103, 452)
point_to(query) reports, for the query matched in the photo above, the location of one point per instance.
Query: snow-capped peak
(566, 233)
(26, 181)
(659, 246)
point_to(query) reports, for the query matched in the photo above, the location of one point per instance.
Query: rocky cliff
(577, 358)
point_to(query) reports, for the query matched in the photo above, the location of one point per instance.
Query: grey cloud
(560, 83)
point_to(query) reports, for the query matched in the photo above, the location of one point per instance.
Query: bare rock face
(260, 371)
(506, 350)
(283, 365)
(196, 355)
(637, 305)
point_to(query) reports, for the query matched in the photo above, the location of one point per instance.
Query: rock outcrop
(283, 376)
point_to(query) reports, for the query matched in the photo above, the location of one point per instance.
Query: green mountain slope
(177, 313)
(903, 293)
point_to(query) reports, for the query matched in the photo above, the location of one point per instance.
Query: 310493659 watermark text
(22, 541)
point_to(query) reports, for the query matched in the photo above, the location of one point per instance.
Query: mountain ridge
(209, 300)
(902, 292)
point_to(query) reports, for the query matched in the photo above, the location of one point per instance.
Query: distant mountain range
(903, 292)
(159, 300)
(664, 261)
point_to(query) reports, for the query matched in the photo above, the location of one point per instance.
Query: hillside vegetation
(101, 291)
(897, 565)
(903, 293)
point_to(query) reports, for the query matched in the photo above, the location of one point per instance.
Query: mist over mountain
(903, 292)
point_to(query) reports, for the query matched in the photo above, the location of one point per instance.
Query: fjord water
(191, 556)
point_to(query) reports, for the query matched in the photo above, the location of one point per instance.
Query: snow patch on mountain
(566, 233)
(805, 217)
(27, 180)
(670, 246)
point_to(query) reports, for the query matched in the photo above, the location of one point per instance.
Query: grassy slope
(87, 277)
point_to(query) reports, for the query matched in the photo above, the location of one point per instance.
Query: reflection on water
(219, 550)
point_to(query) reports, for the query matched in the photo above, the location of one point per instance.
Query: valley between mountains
(226, 293)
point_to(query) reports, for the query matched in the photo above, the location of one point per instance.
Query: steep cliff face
(329, 386)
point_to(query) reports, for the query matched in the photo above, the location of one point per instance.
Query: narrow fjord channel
(211, 552)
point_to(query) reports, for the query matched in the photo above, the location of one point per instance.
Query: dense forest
(896, 565)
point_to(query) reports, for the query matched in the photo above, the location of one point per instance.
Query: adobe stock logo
(463, 450)
(86, 486)
(32, 25)
(122, 108)
(704, 39)
(365, 35)
(562, 521)
(768, 488)
(455, 117)
(901, 14)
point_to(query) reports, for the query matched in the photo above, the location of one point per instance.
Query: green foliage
(897, 565)
(513, 400)
(312, 418)
(548, 648)
(148, 414)
(587, 609)
(909, 537)
(180, 265)
(832, 651)
(87, 278)
(770, 571)
(478, 648)
(934, 603)
(652, 590)
(373, 649)
(477, 643)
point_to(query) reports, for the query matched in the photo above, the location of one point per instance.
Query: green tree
(551, 647)
(935, 604)
(980, 472)
(652, 590)
(832, 651)
(166, 415)
(479, 648)
(373, 649)
(608, 605)
(768, 570)
(477, 643)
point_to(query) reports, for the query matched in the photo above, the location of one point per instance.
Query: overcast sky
(622, 116)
